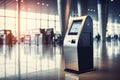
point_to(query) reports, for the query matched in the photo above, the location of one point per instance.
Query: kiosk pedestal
(78, 45)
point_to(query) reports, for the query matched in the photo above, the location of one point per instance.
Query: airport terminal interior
(33, 36)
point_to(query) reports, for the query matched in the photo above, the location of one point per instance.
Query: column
(82, 7)
(19, 3)
(64, 12)
(102, 17)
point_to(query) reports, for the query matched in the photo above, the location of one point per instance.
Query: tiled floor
(24, 62)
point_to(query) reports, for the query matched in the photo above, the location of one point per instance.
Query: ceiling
(50, 6)
(114, 8)
(31, 5)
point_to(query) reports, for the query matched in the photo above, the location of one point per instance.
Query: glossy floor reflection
(24, 62)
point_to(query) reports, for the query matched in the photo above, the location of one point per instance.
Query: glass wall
(29, 21)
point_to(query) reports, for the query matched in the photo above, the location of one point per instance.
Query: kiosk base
(78, 72)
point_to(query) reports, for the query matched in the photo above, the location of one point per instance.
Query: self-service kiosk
(78, 45)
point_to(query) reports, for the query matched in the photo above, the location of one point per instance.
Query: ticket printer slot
(73, 41)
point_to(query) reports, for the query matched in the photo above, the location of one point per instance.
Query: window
(1, 22)
(44, 24)
(51, 24)
(1, 12)
(44, 16)
(10, 13)
(51, 17)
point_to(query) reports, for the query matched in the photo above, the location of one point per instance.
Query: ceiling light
(38, 3)
(43, 3)
(46, 4)
(22, 0)
(91, 10)
(23, 7)
(112, 0)
(29, 9)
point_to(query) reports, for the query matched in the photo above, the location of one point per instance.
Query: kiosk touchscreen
(78, 45)
(75, 27)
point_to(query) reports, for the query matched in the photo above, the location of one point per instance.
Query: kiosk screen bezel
(73, 26)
